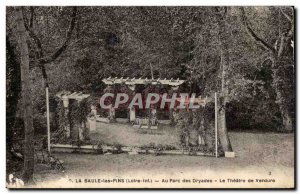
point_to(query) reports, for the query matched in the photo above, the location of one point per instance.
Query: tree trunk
(222, 128)
(283, 92)
(287, 121)
(223, 41)
(13, 92)
(283, 76)
(26, 97)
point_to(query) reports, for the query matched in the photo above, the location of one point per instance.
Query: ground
(125, 134)
(264, 156)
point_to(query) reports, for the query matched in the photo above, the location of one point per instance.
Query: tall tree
(223, 35)
(281, 56)
(26, 97)
(41, 58)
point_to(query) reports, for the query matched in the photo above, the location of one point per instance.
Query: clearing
(264, 156)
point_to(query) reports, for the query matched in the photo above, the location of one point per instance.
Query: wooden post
(92, 120)
(48, 118)
(216, 124)
(112, 115)
(132, 111)
(153, 117)
(132, 114)
(67, 126)
(81, 126)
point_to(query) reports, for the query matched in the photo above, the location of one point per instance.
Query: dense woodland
(246, 54)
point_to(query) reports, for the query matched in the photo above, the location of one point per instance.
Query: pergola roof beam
(133, 81)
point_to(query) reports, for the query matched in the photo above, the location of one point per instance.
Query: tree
(26, 97)
(281, 56)
(223, 34)
(13, 85)
(40, 58)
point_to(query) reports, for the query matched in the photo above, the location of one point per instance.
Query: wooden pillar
(81, 129)
(73, 122)
(112, 113)
(132, 111)
(67, 129)
(92, 119)
(171, 110)
(48, 119)
(81, 126)
(132, 116)
(153, 116)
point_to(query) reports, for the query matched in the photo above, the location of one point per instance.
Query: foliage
(177, 41)
(77, 116)
(100, 147)
(192, 124)
(157, 148)
(117, 148)
(59, 134)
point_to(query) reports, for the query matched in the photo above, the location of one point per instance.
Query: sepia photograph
(150, 97)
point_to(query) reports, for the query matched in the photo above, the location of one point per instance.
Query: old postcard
(150, 97)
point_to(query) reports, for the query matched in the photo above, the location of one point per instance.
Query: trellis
(66, 96)
(131, 84)
(134, 81)
(174, 83)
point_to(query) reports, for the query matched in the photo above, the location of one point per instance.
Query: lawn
(259, 156)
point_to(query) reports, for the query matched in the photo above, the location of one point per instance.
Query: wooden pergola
(132, 82)
(65, 96)
(174, 83)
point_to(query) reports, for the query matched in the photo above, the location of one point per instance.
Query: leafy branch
(253, 34)
(40, 58)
